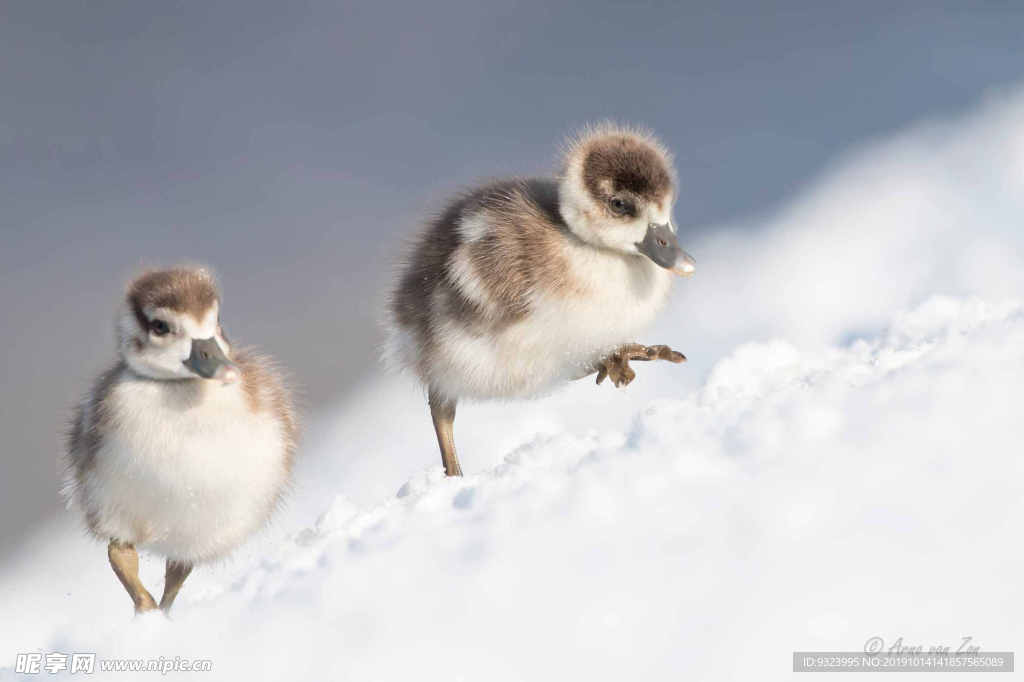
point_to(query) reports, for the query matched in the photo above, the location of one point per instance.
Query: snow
(841, 459)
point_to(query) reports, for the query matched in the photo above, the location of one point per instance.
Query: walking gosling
(524, 283)
(184, 446)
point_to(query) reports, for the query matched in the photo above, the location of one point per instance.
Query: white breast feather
(561, 337)
(189, 479)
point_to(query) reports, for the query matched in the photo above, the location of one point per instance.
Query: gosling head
(169, 327)
(616, 191)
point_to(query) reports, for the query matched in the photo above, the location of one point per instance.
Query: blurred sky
(293, 146)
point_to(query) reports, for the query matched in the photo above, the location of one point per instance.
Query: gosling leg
(173, 579)
(442, 411)
(125, 562)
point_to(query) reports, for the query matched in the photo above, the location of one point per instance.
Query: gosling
(185, 446)
(524, 283)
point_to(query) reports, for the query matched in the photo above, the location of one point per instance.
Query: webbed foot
(616, 366)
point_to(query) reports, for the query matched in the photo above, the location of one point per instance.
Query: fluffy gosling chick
(185, 445)
(524, 283)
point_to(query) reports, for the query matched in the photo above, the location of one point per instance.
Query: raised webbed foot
(616, 366)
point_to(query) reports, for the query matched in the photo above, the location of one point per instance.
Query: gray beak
(662, 247)
(208, 361)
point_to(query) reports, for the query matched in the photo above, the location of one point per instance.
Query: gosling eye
(618, 205)
(159, 327)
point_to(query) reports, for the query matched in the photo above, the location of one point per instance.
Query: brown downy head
(169, 327)
(616, 191)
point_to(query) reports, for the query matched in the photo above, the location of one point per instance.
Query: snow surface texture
(843, 470)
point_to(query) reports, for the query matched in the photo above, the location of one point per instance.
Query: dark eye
(159, 327)
(618, 205)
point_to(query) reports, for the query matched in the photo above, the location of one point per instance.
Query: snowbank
(802, 500)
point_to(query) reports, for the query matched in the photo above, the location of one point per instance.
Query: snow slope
(840, 460)
(801, 500)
